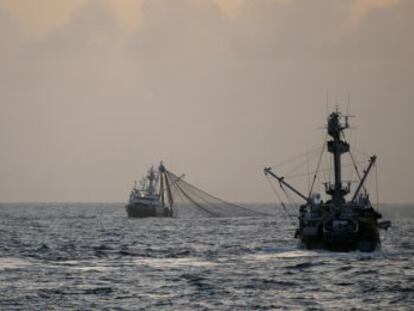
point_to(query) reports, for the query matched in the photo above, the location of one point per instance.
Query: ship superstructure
(340, 223)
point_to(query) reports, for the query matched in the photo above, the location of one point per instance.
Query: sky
(93, 92)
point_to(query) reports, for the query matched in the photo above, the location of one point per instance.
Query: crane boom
(268, 170)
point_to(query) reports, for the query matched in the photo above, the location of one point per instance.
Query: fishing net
(194, 202)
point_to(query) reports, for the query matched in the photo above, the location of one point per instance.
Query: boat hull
(365, 239)
(342, 245)
(140, 210)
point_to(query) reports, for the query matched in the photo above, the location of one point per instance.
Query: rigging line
(330, 166)
(196, 204)
(298, 157)
(376, 184)
(317, 167)
(356, 169)
(361, 151)
(221, 200)
(354, 162)
(288, 197)
(327, 166)
(300, 164)
(321, 170)
(308, 173)
(272, 186)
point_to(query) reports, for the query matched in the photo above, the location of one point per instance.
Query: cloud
(42, 16)
(128, 12)
(359, 8)
(231, 8)
(362, 7)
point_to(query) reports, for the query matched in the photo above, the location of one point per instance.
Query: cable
(298, 157)
(317, 167)
(278, 196)
(376, 184)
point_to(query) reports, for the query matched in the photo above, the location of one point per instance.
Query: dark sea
(92, 257)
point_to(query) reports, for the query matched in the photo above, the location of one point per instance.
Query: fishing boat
(151, 197)
(340, 223)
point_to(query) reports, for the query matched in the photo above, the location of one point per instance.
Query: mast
(167, 186)
(169, 194)
(162, 188)
(151, 178)
(337, 123)
(337, 147)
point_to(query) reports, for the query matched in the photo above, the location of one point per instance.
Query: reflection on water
(174, 262)
(282, 254)
(13, 263)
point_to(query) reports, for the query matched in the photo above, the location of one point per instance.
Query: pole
(268, 170)
(366, 172)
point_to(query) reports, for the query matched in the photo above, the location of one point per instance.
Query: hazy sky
(92, 92)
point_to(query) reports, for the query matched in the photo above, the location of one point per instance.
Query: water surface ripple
(90, 256)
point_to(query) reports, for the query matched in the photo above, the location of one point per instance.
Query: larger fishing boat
(151, 197)
(338, 224)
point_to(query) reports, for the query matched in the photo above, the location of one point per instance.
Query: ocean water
(91, 256)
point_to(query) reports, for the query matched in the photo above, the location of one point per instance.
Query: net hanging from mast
(194, 202)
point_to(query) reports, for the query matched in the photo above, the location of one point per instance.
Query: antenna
(327, 103)
(349, 101)
(336, 104)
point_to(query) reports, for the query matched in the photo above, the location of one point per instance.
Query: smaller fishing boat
(151, 197)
